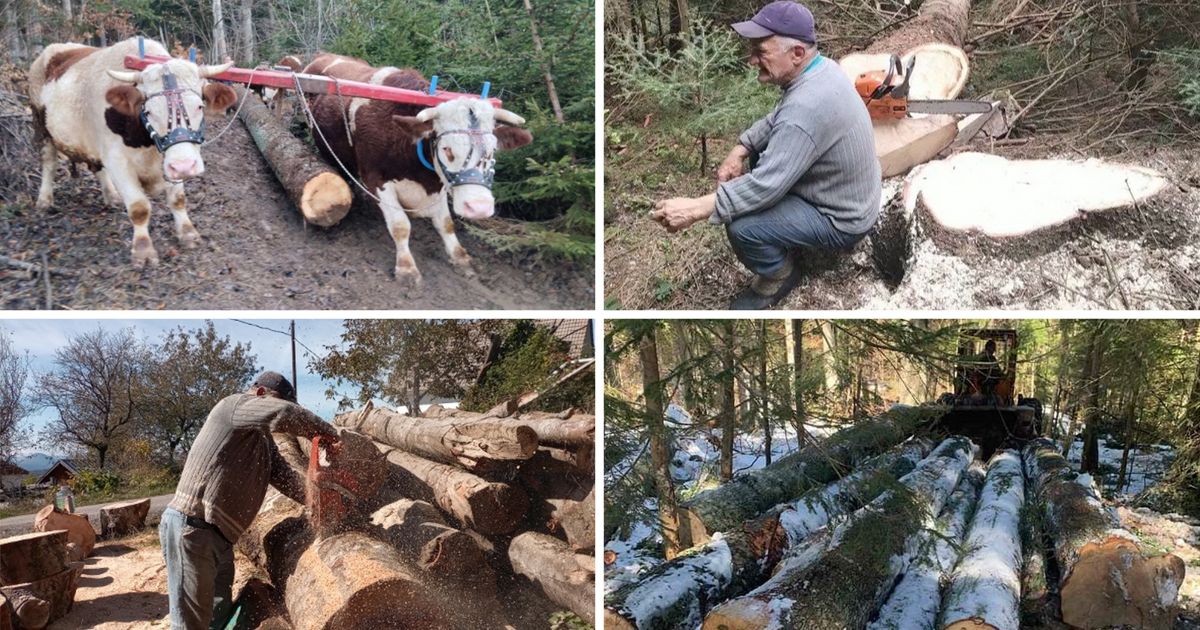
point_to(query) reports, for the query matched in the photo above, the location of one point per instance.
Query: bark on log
(29, 610)
(556, 488)
(79, 528)
(320, 193)
(940, 21)
(916, 600)
(117, 519)
(569, 431)
(578, 523)
(727, 506)
(836, 578)
(1106, 579)
(56, 594)
(489, 507)
(985, 589)
(565, 578)
(419, 534)
(472, 445)
(33, 556)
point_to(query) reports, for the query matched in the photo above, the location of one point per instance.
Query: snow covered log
(837, 577)
(985, 589)
(916, 600)
(749, 494)
(560, 575)
(467, 443)
(1106, 578)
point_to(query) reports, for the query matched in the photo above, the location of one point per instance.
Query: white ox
(140, 132)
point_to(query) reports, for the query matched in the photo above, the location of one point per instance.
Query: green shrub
(95, 482)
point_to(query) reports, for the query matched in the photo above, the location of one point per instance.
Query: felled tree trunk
(985, 589)
(727, 506)
(555, 488)
(358, 458)
(578, 523)
(836, 578)
(117, 519)
(417, 531)
(486, 506)
(472, 445)
(322, 196)
(916, 600)
(941, 21)
(1106, 579)
(564, 577)
(561, 430)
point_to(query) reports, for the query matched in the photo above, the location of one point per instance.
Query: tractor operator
(987, 369)
(816, 182)
(220, 492)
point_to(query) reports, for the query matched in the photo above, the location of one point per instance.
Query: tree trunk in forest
(248, 32)
(917, 598)
(1090, 462)
(837, 578)
(547, 68)
(1106, 578)
(564, 577)
(67, 13)
(727, 506)
(674, 540)
(220, 48)
(985, 590)
(728, 400)
(1131, 410)
(679, 336)
(474, 445)
(764, 394)
(829, 363)
(1064, 327)
(322, 196)
(13, 41)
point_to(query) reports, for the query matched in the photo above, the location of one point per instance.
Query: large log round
(117, 519)
(462, 442)
(79, 529)
(419, 534)
(33, 556)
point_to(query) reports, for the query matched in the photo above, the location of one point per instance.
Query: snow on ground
(1147, 464)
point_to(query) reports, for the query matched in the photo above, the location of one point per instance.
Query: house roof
(68, 464)
(9, 468)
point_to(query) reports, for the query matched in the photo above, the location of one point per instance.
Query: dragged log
(747, 495)
(490, 507)
(126, 517)
(916, 600)
(32, 556)
(837, 578)
(419, 534)
(79, 528)
(565, 578)
(1106, 578)
(467, 443)
(320, 193)
(985, 588)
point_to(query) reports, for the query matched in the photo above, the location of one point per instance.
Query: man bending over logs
(817, 180)
(221, 489)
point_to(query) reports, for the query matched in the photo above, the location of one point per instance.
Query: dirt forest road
(257, 253)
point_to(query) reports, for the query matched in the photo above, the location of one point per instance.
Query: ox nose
(184, 168)
(478, 209)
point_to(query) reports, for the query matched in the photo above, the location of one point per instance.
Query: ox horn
(509, 118)
(427, 114)
(208, 71)
(126, 76)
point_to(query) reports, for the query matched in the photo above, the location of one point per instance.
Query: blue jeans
(199, 573)
(761, 240)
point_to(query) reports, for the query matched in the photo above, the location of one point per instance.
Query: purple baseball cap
(783, 17)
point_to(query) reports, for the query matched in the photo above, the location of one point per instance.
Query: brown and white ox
(140, 132)
(460, 138)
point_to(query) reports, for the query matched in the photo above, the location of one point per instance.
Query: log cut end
(117, 519)
(1113, 583)
(746, 613)
(974, 623)
(325, 199)
(79, 528)
(614, 621)
(499, 509)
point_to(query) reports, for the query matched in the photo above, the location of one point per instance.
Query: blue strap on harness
(421, 143)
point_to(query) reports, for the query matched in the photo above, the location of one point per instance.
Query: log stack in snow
(460, 506)
(37, 578)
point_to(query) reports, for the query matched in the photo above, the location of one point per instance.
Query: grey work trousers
(199, 573)
(762, 239)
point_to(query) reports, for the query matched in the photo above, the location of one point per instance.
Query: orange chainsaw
(331, 491)
(885, 93)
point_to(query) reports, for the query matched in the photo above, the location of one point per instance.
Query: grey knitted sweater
(818, 145)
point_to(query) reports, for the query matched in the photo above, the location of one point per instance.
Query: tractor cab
(984, 405)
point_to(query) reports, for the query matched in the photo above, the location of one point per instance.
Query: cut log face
(79, 529)
(1106, 579)
(450, 441)
(30, 557)
(118, 519)
(550, 565)
(417, 531)
(1001, 198)
(939, 73)
(985, 590)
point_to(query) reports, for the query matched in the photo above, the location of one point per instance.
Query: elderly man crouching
(817, 180)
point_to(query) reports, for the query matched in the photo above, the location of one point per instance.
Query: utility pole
(295, 387)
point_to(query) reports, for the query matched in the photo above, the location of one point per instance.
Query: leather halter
(483, 176)
(178, 122)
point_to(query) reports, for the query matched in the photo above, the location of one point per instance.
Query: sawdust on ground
(123, 587)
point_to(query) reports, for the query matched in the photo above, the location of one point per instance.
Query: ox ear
(125, 99)
(412, 127)
(511, 137)
(218, 97)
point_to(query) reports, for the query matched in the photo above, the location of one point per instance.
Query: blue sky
(40, 338)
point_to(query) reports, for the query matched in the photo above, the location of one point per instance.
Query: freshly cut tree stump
(465, 443)
(320, 193)
(985, 589)
(492, 508)
(566, 578)
(1106, 579)
(998, 198)
(29, 557)
(79, 529)
(117, 519)
(836, 578)
(53, 593)
(916, 600)
(747, 495)
(417, 531)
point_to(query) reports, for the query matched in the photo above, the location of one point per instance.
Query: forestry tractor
(982, 406)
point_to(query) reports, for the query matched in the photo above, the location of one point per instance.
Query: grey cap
(276, 382)
(783, 17)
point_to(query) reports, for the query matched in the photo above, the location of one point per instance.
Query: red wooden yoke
(316, 84)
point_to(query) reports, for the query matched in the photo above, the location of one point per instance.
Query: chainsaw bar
(948, 107)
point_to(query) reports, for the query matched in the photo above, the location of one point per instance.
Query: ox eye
(449, 153)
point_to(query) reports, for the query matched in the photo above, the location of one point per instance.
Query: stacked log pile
(911, 539)
(449, 508)
(37, 579)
